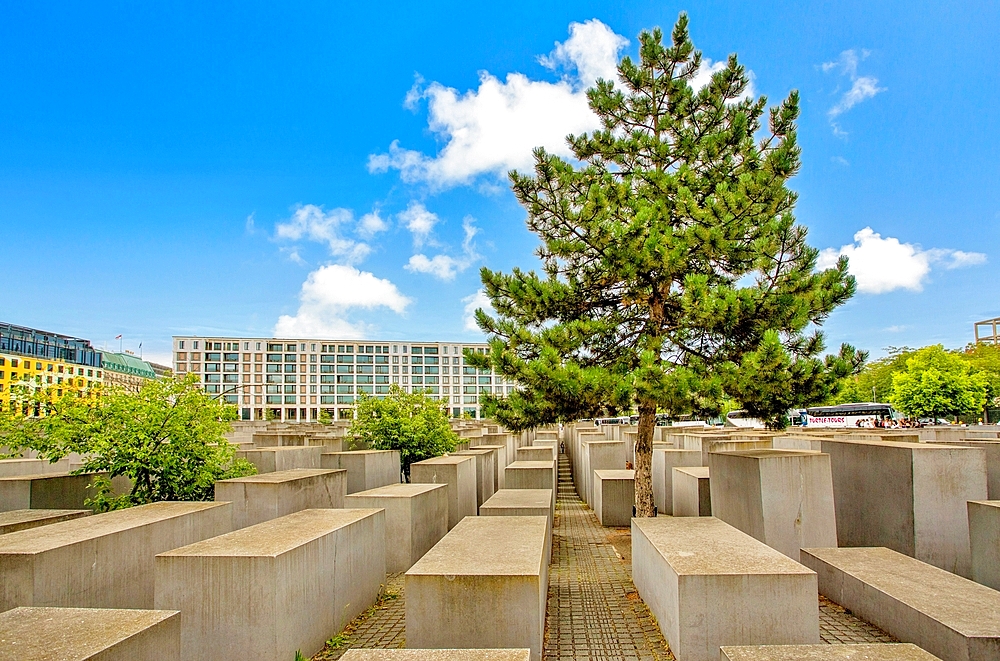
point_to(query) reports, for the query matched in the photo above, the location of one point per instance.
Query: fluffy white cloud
(419, 221)
(862, 87)
(882, 265)
(494, 128)
(312, 223)
(371, 224)
(445, 267)
(329, 293)
(472, 303)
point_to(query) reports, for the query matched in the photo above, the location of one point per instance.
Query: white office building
(296, 379)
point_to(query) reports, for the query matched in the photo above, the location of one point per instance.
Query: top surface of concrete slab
(766, 453)
(40, 476)
(15, 517)
(987, 503)
(46, 538)
(57, 634)
(399, 490)
(446, 460)
(274, 537)
(615, 474)
(893, 444)
(285, 476)
(864, 652)
(532, 464)
(967, 607)
(436, 655)
(520, 498)
(520, 540)
(362, 452)
(693, 471)
(705, 545)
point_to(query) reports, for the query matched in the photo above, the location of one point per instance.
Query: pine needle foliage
(673, 274)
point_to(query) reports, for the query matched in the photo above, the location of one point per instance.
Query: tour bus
(848, 415)
(741, 418)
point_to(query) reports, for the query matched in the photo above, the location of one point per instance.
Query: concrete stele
(910, 497)
(493, 566)
(270, 460)
(536, 453)
(984, 541)
(499, 463)
(664, 462)
(263, 592)
(44, 491)
(947, 615)
(531, 475)
(416, 517)
(459, 473)
(101, 561)
(692, 491)
(486, 480)
(614, 496)
(783, 498)
(266, 496)
(860, 652)
(16, 520)
(85, 634)
(523, 502)
(366, 469)
(708, 585)
(31, 466)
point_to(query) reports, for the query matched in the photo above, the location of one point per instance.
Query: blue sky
(243, 168)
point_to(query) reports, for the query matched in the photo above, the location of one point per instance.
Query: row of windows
(324, 348)
(49, 367)
(233, 368)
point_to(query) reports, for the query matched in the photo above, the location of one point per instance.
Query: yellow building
(38, 359)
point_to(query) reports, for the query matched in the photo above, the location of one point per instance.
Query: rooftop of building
(124, 363)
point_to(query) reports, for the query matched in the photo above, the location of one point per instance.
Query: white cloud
(310, 222)
(862, 87)
(371, 224)
(326, 296)
(445, 267)
(882, 265)
(472, 303)
(250, 225)
(419, 221)
(494, 128)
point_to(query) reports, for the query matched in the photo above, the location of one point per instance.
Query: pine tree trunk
(644, 459)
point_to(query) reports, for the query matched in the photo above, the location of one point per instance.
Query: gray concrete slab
(664, 461)
(614, 496)
(437, 655)
(984, 541)
(863, 652)
(266, 496)
(692, 491)
(273, 459)
(459, 473)
(366, 469)
(16, 520)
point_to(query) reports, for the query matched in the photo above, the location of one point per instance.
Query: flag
(118, 337)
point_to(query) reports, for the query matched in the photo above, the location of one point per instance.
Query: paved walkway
(594, 611)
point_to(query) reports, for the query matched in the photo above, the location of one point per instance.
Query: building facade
(34, 358)
(125, 370)
(289, 379)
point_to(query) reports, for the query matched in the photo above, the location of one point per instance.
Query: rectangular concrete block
(910, 497)
(783, 498)
(30, 466)
(270, 460)
(536, 453)
(89, 634)
(494, 567)
(992, 450)
(599, 455)
(709, 585)
(263, 592)
(104, 560)
(366, 469)
(859, 652)
(266, 496)
(984, 539)
(486, 481)
(523, 502)
(459, 473)
(947, 615)
(499, 463)
(16, 520)
(664, 462)
(692, 491)
(531, 475)
(416, 517)
(614, 496)
(44, 491)
(436, 655)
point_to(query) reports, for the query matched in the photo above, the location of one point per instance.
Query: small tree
(673, 271)
(938, 383)
(167, 439)
(414, 424)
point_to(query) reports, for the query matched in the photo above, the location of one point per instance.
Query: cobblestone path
(594, 611)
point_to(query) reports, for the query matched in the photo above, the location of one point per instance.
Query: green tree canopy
(673, 271)
(938, 383)
(412, 423)
(874, 381)
(167, 439)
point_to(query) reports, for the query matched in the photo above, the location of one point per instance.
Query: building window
(180, 345)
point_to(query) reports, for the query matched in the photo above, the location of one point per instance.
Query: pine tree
(674, 274)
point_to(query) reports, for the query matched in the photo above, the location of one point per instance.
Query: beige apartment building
(285, 379)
